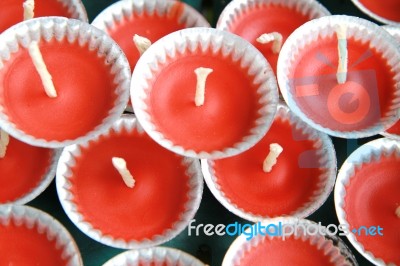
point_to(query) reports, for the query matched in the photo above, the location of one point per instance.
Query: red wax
(22, 246)
(267, 19)
(355, 105)
(290, 251)
(83, 82)
(371, 200)
(229, 110)
(150, 207)
(22, 169)
(12, 12)
(394, 129)
(152, 27)
(389, 9)
(286, 188)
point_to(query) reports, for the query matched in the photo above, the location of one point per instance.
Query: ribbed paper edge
(231, 46)
(369, 152)
(363, 31)
(76, 9)
(371, 14)
(47, 178)
(63, 184)
(45, 29)
(237, 8)
(124, 9)
(157, 255)
(327, 160)
(44, 223)
(241, 246)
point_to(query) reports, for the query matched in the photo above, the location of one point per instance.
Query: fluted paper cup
(386, 13)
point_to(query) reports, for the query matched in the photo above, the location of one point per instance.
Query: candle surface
(20, 245)
(11, 11)
(287, 187)
(83, 82)
(371, 200)
(290, 251)
(390, 9)
(22, 169)
(152, 206)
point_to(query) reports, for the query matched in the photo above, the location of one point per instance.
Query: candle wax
(290, 251)
(22, 169)
(390, 9)
(152, 27)
(371, 200)
(288, 186)
(150, 207)
(22, 246)
(354, 105)
(11, 11)
(267, 19)
(229, 110)
(83, 82)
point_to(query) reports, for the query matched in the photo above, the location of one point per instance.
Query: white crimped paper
(237, 8)
(44, 182)
(327, 161)
(42, 222)
(374, 15)
(64, 174)
(335, 248)
(76, 9)
(233, 48)
(125, 9)
(156, 255)
(71, 30)
(361, 30)
(369, 152)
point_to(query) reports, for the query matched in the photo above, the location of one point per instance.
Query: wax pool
(389, 10)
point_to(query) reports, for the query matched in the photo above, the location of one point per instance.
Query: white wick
(4, 140)
(274, 151)
(29, 6)
(120, 165)
(142, 43)
(274, 37)
(341, 74)
(41, 68)
(201, 74)
(398, 211)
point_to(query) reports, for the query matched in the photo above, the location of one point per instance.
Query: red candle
(387, 12)
(362, 105)
(253, 18)
(367, 200)
(32, 237)
(165, 195)
(150, 19)
(239, 101)
(11, 11)
(297, 184)
(25, 171)
(90, 74)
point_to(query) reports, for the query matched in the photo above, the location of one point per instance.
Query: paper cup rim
(45, 181)
(123, 8)
(373, 15)
(240, 242)
(40, 218)
(371, 30)
(157, 252)
(234, 9)
(34, 29)
(327, 150)
(63, 185)
(346, 173)
(80, 9)
(228, 43)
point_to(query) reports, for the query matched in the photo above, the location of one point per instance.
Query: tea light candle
(56, 60)
(157, 205)
(13, 11)
(367, 101)
(260, 22)
(233, 78)
(369, 181)
(387, 13)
